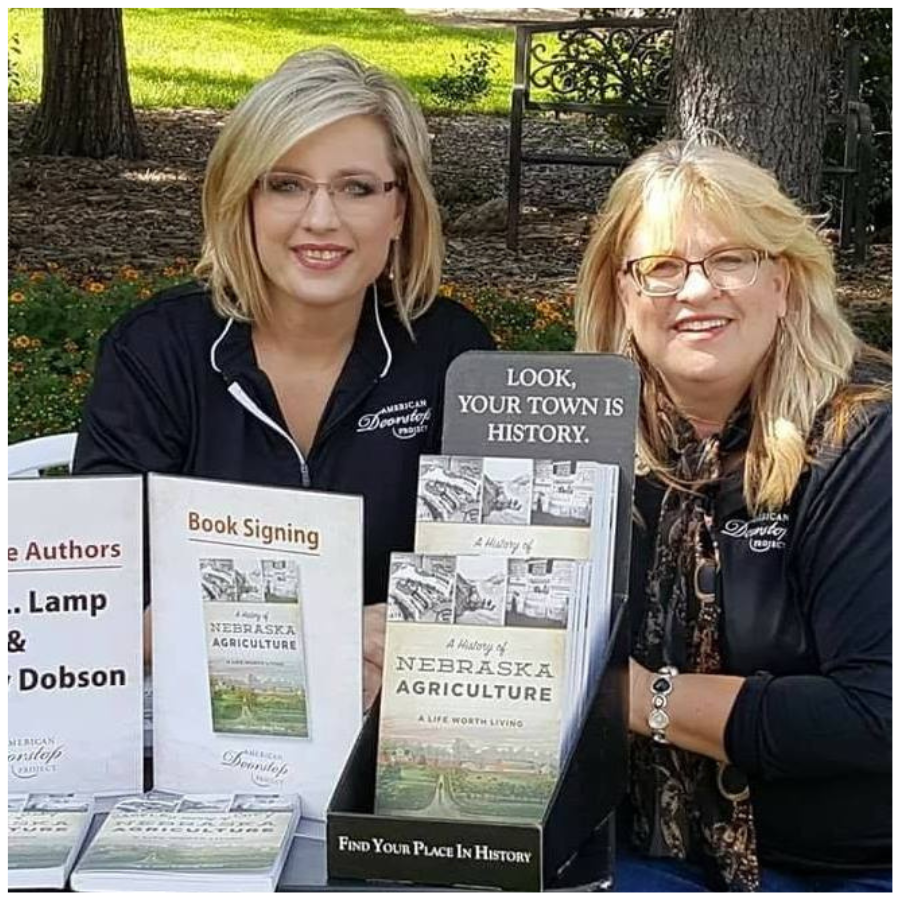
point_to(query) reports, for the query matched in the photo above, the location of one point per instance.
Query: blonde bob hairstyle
(311, 90)
(810, 361)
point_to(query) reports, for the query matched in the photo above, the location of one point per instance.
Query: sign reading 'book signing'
(257, 637)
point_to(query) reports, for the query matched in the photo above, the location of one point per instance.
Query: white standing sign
(256, 601)
(75, 668)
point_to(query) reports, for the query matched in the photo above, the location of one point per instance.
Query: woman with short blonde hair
(310, 91)
(311, 353)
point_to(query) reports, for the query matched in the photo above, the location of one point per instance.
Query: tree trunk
(758, 78)
(85, 107)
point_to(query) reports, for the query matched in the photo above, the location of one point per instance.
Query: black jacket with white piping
(177, 390)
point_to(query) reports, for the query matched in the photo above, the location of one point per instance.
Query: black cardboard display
(463, 853)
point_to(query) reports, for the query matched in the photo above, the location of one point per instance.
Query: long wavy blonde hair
(808, 366)
(311, 90)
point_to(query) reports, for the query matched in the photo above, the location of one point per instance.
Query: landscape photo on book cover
(471, 714)
(255, 655)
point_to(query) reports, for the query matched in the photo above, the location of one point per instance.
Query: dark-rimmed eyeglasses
(351, 194)
(728, 269)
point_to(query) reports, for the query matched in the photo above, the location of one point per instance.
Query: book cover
(506, 506)
(44, 832)
(255, 655)
(474, 685)
(194, 842)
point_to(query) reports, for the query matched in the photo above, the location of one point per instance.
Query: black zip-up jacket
(806, 600)
(177, 390)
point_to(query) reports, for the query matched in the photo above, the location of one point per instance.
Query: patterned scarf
(687, 805)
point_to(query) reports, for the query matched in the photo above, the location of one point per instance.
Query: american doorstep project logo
(764, 533)
(405, 420)
(265, 769)
(32, 756)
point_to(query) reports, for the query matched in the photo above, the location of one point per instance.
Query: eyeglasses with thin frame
(728, 269)
(352, 195)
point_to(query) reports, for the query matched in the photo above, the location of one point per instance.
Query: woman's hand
(374, 618)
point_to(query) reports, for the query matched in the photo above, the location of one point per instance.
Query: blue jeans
(636, 873)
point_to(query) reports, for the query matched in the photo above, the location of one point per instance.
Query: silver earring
(392, 258)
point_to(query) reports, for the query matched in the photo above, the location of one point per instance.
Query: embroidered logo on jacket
(405, 420)
(764, 533)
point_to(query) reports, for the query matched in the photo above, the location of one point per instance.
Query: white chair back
(29, 458)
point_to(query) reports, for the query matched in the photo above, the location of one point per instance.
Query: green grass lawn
(211, 57)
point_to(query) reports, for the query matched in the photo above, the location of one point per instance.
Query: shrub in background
(468, 78)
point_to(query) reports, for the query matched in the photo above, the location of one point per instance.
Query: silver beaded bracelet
(660, 688)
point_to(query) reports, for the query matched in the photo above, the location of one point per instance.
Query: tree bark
(758, 78)
(85, 107)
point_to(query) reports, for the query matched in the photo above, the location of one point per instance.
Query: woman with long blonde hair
(761, 667)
